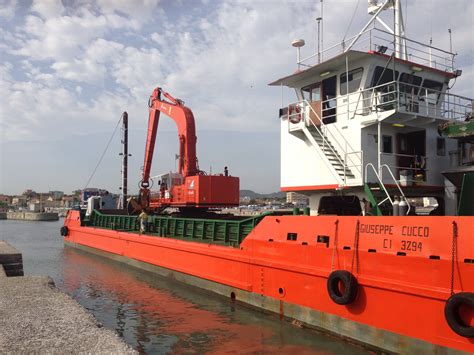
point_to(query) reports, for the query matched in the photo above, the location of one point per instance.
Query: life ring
(349, 287)
(294, 114)
(451, 313)
(64, 231)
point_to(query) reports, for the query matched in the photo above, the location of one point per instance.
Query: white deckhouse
(364, 128)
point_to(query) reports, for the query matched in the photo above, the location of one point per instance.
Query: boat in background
(373, 132)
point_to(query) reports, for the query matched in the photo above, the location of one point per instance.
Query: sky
(68, 69)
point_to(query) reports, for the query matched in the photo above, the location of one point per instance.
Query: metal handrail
(329, 131)
(374, 37)
(397, 185)
(324, 135)
(436, 103)
(382, 185)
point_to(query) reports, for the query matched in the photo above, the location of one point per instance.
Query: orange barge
(406, 269)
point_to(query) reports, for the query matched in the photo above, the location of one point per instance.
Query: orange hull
(403, 266)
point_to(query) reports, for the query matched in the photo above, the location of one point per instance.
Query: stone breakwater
(33, 216)
(38, 318)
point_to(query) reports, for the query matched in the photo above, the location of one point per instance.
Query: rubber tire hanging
(451, 312)
(64, 231)
(350, 287)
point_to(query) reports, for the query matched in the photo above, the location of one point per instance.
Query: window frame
(374, 83)
(345, 85)
(310, 88)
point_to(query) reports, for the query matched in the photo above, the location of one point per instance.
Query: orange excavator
(189, 188)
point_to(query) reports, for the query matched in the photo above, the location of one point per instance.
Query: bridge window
(383, 76)
(431, 91)
(413, 83)
(312, 92)
(352, 80)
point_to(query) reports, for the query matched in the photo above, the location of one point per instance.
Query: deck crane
(190, 187)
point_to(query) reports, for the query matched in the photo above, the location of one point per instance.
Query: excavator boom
(183, 116)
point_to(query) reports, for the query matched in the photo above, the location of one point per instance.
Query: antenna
(322, 28)
(319, 38)
(450, 41)
(451, 49)
(298, 43)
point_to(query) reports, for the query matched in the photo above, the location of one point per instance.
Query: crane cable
(103, 153)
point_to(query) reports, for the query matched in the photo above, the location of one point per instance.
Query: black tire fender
(350, 286)
(451, 313)
(64, 231)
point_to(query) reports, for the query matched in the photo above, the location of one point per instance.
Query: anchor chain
(355, 254)
(334, 250)
(453, 254)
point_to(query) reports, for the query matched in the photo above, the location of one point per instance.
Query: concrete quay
(11, 261)
(33, 216)
(36, 317)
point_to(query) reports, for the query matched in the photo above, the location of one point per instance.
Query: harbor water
(155, 314)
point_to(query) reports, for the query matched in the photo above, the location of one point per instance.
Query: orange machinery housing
(199, 191)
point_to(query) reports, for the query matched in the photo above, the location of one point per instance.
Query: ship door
(312, 94)
(411, 153)
(328, 94)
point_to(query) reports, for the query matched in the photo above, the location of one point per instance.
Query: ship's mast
(124, 154)
(375, 8)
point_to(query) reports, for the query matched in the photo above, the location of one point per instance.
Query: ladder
(378, 199)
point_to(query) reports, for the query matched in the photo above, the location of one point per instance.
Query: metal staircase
(344, 162)
(331, 153)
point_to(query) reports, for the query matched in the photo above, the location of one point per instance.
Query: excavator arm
(183, 116)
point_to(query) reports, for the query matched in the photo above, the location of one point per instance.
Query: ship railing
(378, 98)
(433, 103)
(381, 41)
(357, 163)
(400, 96)
(379, 176)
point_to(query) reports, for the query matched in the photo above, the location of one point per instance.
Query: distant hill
(253, 194)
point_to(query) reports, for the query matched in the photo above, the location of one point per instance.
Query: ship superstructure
(365, 121)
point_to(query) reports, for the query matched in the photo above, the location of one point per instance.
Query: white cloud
(48, 8)
(7, 9)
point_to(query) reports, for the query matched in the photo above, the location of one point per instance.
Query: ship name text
(386, 229)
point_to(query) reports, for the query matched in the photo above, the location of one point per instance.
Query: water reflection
(154, 314)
